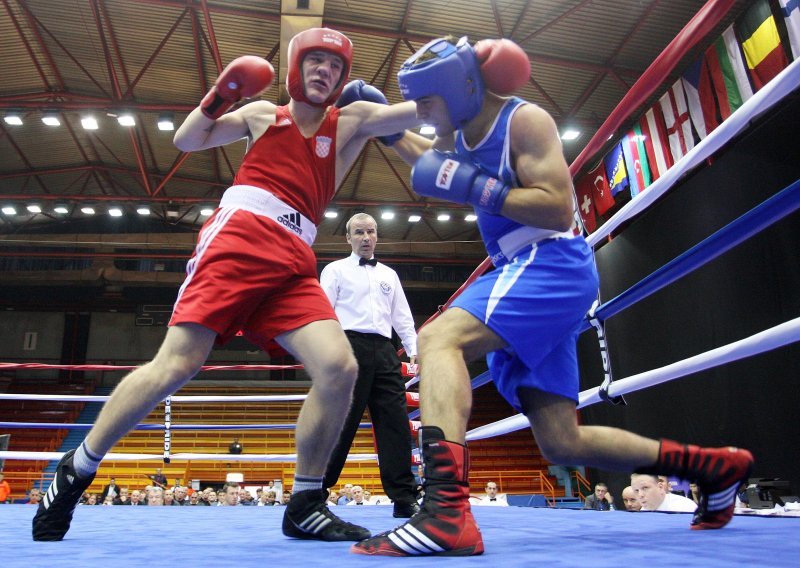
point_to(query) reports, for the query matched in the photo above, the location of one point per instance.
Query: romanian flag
(601, 193)
(616, 173)
(762, 47)
(656, 144)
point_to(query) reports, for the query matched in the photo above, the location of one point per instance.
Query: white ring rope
(773, 92)
(767, 340)
(203, 398)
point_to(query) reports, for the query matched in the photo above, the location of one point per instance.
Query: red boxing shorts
(249, 273)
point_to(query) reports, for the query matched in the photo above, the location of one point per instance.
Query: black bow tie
(492, 499)
(372, 262)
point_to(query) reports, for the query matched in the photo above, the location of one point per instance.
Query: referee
(369, 302)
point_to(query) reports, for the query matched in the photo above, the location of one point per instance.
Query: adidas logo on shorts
(291, 221)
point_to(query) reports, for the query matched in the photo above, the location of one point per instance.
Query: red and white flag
(656, 143)
(676, 116)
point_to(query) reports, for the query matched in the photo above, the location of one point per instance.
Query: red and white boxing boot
(718, 471)
(445, 525)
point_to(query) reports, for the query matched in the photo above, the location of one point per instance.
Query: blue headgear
(454, 74)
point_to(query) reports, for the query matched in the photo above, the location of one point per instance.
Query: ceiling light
(414, 218)
(143, 210)
(330, 214)
(51, 119)
(13, 118)
(126, 119)
(470, 217)
(206, 211)
(61, 209)
(387, 215)
(443, 217)
(166, 121)
(89, 123)
(87, 210)
(427, 130)
(115, 211)
(9, 210)
(173, 211)
(571, 134)
(34, 208)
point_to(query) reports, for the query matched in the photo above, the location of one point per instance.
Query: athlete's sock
(305, 482)
(85, 461)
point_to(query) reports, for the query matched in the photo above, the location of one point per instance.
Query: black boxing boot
(445, 525)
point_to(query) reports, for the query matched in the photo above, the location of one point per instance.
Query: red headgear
(322, 39)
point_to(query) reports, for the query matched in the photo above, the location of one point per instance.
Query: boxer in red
(253, 268)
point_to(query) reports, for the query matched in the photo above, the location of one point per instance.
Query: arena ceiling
(73, 58)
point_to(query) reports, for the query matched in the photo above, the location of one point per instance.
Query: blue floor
(187, 537)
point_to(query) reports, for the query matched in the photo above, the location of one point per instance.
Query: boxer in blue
(503, 156)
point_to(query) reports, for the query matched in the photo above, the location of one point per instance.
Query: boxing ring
(117, 536)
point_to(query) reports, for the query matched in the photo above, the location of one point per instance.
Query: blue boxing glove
(448, 176)
(360, 91)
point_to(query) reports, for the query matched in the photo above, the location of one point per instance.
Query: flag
(633, 163)
(644, 162)
(761, 44)
(728, 77)
(601, 193)
(583, 191)
(791, 17)
(656, 143)
(700, 96)
(616, 173)
(676, 117)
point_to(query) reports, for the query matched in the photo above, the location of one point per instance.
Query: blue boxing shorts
(536, 303)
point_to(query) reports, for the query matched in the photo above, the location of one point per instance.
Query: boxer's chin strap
(167, 426)
(601, 337)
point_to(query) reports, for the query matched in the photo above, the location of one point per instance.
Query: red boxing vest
(299, 171)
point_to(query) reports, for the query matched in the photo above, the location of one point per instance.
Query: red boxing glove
(245, 76)
(505, 67)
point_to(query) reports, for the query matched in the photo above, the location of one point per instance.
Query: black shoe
(54, 515)
(308, 517)
(405, 509)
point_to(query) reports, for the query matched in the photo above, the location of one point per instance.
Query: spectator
(347, 496)
(180, 494)
(91, 499)
(492, 499)
(211, 499)
(169, 498)
(136, 498)
(110, 489)
(5, 489)
(230, 494)
(108, 500)
(653, 495)
(245, 497)
(600, 500)
(694, 493)
(285, 498)
(124, 497)
(34, 496)
(358, 496)
(194, 498)
(630, 500)
(333, 497)
(159, 478)
(155, 497)
(268, 499)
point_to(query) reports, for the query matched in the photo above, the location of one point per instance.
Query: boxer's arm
(411, 146)
(545, 198)
(198, 132)
(373, 119)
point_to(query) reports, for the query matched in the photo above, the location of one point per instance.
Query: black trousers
(380, 387)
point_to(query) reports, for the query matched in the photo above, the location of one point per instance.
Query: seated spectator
(245, 497)
(492, 498)
(155, 497)
(123, 498)
(230, 494)
(180, 492)
(194, 498)
(268, 499)
(211, 499)
(694, 493)
(5, 489)
(358, 496)
(109, 500)
(136, 498)
(630, 500)
(333, 497)
(345, 494)
(601, 499)
(653, 495)
(169, 498)
(285, 497)
(34, 496)
(91, 499)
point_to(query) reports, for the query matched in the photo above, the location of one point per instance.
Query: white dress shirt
(369, 299)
